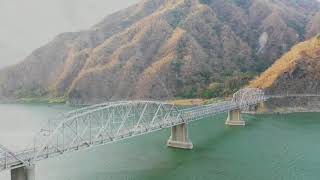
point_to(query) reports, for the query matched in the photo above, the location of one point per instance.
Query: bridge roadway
(26, 157)
(109, 122)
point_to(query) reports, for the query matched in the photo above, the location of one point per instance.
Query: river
(270, 147)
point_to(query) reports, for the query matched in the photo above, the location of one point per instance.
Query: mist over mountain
(161, 49)
(26, 25)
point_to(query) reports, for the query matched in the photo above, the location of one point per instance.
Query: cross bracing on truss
(246, 97)
(9, 158)
(113, 121)
(196, 113)
(51, 124)
(105, 124)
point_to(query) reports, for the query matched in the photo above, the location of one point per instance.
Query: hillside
(298, 71)
(313, 26)
(161, 49)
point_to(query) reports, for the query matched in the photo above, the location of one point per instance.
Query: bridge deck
(114, 121)
(184, 116)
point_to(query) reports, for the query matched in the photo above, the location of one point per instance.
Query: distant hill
(161, 49)
(298, 71)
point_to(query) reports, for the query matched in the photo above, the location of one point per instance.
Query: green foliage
(217, 30)
(57, 100)
(205, 77)
(191, 93)
(228, 87)
(214, 90)
(261, 64)
(176, 65)
(181, 47)
(175, 18)
(37, 95)
(242, 3)
(298, 27)
(205, 1)
(238, 80)
(226, 74)
(30, 92)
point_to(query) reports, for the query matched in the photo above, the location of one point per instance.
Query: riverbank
(196, 102)
(40, 100)
(62, 100)
(271, 141)
(263, 108)
(285, 110)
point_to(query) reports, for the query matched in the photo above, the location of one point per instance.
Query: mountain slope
(313, 26)
(163, 48)
(298, 71)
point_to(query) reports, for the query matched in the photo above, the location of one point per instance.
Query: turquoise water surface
(270, 147)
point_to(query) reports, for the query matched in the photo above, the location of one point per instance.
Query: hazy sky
(28, 24)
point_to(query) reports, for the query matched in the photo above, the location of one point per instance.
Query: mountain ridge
(295, 72)
(161, 49)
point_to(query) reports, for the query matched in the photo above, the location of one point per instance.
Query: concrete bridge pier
(179, 137)
(23, 173)
(234, 118)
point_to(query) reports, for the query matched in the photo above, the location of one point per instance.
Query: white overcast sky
(27, 24)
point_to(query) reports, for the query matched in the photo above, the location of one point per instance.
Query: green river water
(270, 147)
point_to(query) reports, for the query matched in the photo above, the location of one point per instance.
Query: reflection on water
(269, 147)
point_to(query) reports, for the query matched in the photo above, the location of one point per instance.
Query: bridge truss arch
(9, 159)
(113, 121)
(246, 97)
(102, 124)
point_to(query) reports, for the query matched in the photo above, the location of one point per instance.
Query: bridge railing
(270, 96)
(107, 123)
(67, 128)
(53, 123)
(9, 159)
(200, 112)
(113, 121)
(246, 97)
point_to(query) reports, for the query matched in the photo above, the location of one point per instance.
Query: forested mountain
(161, 49)
(296, 72)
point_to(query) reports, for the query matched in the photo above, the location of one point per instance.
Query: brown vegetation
(298, 71)
(159, 49)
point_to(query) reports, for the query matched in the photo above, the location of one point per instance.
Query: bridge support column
(234, 118)
(23, 173)
(179, 137)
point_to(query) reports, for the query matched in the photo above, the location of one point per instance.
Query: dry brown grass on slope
(168, 53)
(128, 50)
(308, 49)
(188, 102)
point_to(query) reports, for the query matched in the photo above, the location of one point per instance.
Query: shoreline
(50, 101)
(287, 111)
(177, 102)
(61, 100)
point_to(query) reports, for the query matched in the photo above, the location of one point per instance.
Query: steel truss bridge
(114, 121)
